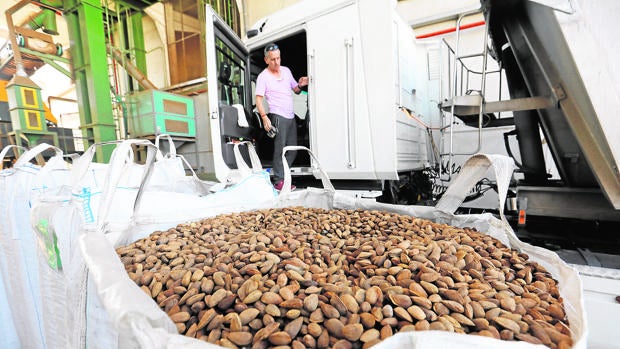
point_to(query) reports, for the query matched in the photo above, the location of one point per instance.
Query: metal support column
(137, 39)
(526, 124)
(90, 69)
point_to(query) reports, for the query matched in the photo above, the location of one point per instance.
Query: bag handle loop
(242, 166)
(172, 150)
(472, 171)
(6, 149)
(116, 169)
(32, 153)
(286, 187)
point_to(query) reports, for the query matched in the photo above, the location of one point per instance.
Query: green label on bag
(48, 243)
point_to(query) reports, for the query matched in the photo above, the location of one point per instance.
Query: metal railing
(461, 79)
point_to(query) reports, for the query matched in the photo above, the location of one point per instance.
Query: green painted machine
(153, 112)
(27, 111)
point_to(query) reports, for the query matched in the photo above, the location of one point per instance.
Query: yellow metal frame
(39, 125)
(34, 92)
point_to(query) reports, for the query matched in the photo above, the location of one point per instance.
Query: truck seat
(231, 132)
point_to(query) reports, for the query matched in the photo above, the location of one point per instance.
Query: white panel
(411, 145)
(600, 288)
(339, 135)
(433, 58)
(592, 36)
(561, 5)
(409, 68)
(417, 12)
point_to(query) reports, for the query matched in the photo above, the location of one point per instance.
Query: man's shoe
(278, 186)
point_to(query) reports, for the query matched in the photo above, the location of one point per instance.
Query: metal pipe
(483, 87)
(442, 113)
(50, 98)
(17, 56)
(131, 69)
(164, 64)
(499, 97)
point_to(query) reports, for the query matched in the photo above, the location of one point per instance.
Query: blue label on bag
(88, 212)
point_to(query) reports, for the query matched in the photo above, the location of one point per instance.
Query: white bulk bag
(81, 207)
(473, 170)
(169, 173)
(105, 197)
(251, 190)
(29, 280)
(76, 209)
(142, 324)
(9, 338)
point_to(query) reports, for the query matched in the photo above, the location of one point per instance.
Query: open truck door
(229, 94)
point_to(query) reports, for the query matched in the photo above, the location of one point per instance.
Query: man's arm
(303, 81)
(261, 112)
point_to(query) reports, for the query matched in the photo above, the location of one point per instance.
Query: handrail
(468, 56)
(461, 73)
(350, 105)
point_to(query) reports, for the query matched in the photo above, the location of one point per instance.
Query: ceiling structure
(418, 13)
(425, 16)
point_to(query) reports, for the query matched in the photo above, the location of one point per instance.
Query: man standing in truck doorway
(275, 84)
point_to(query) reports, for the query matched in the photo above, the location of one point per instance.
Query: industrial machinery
(556, 91)
(31, 46)
(153, 112)
(39, 123)
(24, 96)
(110, 104)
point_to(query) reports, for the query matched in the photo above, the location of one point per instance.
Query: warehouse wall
(156, 53)
(253, 10)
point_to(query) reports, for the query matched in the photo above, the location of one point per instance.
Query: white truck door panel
(221, 43)
(339, 125)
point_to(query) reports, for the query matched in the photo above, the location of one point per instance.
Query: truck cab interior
(235, 97)
(294, 56)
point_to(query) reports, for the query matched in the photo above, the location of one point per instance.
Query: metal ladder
(462, 102)
(456, 102)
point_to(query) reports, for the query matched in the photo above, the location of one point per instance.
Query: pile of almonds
(311, 278)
